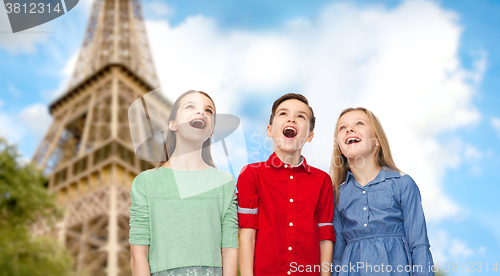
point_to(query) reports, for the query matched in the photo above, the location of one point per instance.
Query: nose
(201, 112)
(350, 129)
(291, 120)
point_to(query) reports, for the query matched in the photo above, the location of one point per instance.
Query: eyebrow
(357, 120)
(191, 102)
(286, 109)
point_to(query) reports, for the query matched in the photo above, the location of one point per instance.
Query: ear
(310, 136)
(269, 131)
(172, 126)
(377, 143)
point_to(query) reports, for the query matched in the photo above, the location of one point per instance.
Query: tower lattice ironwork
(87, 151)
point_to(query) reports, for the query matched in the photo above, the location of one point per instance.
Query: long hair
(340, 165)
(170, 142)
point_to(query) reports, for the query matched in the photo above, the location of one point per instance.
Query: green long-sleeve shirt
(185, 217)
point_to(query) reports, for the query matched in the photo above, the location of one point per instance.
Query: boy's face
(290, 126)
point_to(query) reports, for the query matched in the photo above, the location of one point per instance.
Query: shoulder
(149, 174)
(404, 181)
(319, 175)
(251, 170)
(223, 176)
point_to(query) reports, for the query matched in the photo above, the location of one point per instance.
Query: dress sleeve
(248, 199)
(340, 243)
(230, 222)
(139, 213)
(414, 226)
(324, 211)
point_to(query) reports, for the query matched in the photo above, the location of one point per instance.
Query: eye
(282, 113)
(189, 106)
(360, 123)
(342, 127)
(209, 111)
(302, 116)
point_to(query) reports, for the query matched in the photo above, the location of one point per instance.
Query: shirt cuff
(326, 232)
(248, 221)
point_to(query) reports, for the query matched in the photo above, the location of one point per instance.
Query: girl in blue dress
(379, 222)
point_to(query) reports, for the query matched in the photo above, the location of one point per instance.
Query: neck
(291, 158)
(365, 172)
(186, 156)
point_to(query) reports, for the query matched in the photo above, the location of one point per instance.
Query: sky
(430, 70)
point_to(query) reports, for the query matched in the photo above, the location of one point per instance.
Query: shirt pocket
(381, 199)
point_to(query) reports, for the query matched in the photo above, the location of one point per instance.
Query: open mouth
(198, 123)
(352, 140)
(289, 132)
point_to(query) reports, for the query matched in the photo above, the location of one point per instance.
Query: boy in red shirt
(285, 206)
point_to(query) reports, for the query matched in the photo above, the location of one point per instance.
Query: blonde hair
(339, 164)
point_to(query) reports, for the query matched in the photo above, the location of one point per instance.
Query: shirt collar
(276, 162)
(385, 172)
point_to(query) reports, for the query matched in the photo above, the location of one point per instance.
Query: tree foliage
(23, 200)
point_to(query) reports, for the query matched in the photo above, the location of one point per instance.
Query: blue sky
(429, 69)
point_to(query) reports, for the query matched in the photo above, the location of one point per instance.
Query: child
(285, 206)
(378, 220)
(183, 217)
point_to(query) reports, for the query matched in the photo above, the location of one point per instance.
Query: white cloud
(495, 122)
(157, 9)
(9, 129)
(445, 248)
(401, 63)
(472, 153)
(459, 249)
(21, 42)
(472, 156)
(66, 74)
(36, 118)
(13, 90)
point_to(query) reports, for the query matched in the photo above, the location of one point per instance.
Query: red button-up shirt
(292, 210)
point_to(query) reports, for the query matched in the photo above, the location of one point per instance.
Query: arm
(139, 228)
(229, 261)
(229, 235)
(324, 213)
(139, 260)
(414, 226)
(248, 219)
(339, 246)
(326, 247)
(247, 250)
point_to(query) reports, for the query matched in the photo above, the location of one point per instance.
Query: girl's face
(356, 137)
(195, 118)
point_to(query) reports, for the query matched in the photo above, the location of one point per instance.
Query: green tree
(23, 200)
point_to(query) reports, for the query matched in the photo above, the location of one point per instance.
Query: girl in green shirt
(183, 218)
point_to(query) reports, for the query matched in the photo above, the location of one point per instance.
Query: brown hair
(293, 96)
(170, 143)
(339, 164)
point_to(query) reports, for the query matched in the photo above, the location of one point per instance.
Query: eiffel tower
(87, 151)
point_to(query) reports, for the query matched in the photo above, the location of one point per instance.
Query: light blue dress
(380, 228)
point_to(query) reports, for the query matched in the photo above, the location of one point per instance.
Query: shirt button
(364, 208)
(290, 248)
(291, 224)
(364, 192)
(291, 176)
(366, 224)
(291, 199)
(286, 166)
(289, 273)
